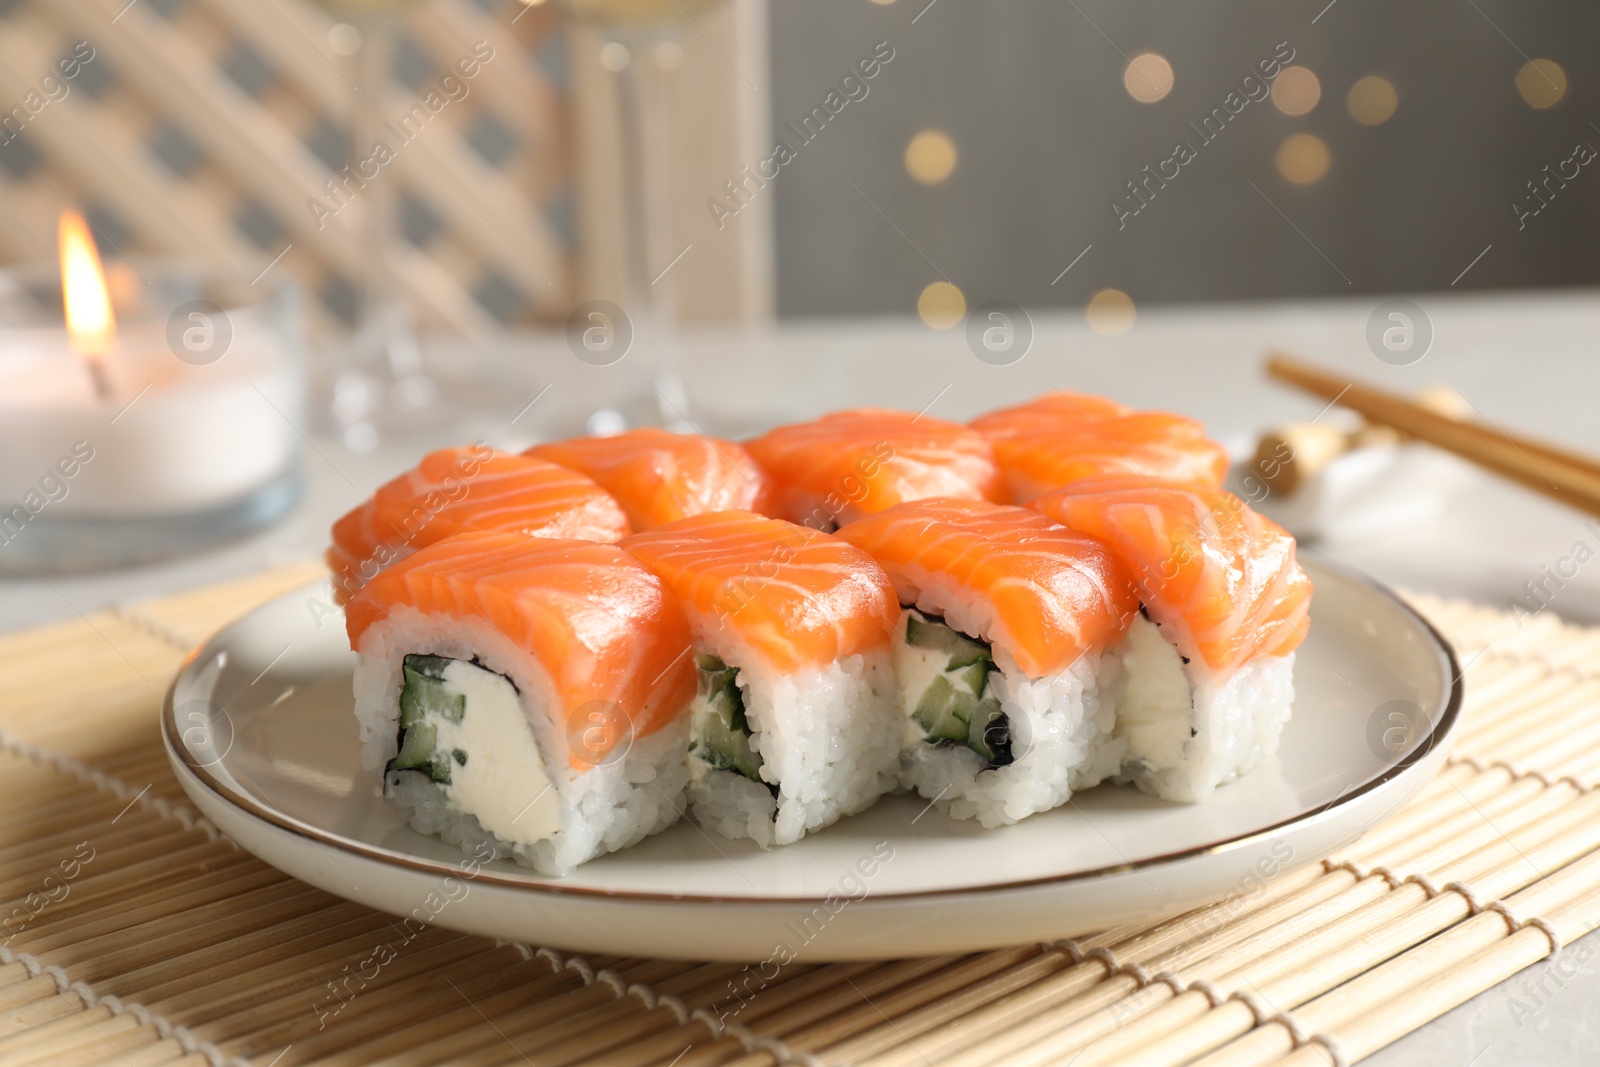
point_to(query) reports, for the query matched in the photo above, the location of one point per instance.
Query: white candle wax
(174, 438)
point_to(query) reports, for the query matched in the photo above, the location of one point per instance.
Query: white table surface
(1525, 361)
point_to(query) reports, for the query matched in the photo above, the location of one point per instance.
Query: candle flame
(91, 324)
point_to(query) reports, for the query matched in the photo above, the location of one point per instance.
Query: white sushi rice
(829, 739)
(598, 809)
(1186, 731)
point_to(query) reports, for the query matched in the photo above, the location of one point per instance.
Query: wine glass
(640, 49)
(379, 385)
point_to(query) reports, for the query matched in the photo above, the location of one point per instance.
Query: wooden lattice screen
(204, 129)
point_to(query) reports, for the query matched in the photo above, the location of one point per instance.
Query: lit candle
(91, 324)
(148, 436)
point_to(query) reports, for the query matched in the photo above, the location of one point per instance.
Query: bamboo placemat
(137, 935)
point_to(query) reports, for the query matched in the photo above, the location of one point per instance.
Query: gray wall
(1032, 94)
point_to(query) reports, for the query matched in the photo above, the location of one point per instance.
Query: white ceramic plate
(259, 730)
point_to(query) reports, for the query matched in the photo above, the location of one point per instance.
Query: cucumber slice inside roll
(423, 694)
(944, 678)
(416, 747)
(721, 730)
(990, 734)
(942, 712)
(936, 636)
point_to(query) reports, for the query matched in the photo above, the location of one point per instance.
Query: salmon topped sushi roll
(526, 693)
(833, 470)
(470, 488)
(1062, 438)
(796, 721)
(1000, 654)
(1208, 667)
(659, 476)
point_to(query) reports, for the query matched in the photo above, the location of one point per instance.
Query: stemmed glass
(640, 49)
(379, 386)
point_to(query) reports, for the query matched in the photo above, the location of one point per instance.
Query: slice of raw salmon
(659, 476)
(797, 597)
(469, 488)
(1026, 584)
(833, 470)
(1220, 579)
(600, 627)
(1062, 438)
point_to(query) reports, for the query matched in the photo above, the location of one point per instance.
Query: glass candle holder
(191, 438)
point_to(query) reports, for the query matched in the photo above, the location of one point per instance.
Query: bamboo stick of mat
(1556, 472)
(1451, 974)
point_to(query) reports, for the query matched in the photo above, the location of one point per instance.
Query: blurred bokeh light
(1542, 83)
(1296, 91)
(930, 157)
(1304, 159)
(1148, 77)
(1111, 311)
(1372, 100)
(942, 305)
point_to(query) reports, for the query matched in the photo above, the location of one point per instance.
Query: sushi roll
(470, 488)
(833, 470)
(1208, 665)
(1000, 654)
(1062, 438)
(796, 720)
(659, 476)
(525, 693)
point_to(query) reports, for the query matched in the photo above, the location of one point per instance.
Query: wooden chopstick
(1296, 372)
(1556, 472)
